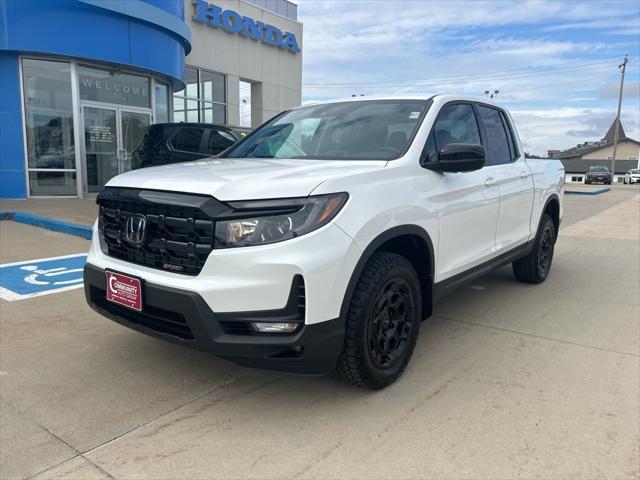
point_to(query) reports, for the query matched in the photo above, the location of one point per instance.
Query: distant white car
(632, 176)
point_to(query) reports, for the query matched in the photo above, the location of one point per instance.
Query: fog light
(274, 327)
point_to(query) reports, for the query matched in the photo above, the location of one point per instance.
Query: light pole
(491, 94)
(623, 66)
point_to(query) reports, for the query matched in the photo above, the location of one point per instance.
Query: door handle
(523, 174)
(489, 182)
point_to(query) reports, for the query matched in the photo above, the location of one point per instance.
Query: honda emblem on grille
(135, 229)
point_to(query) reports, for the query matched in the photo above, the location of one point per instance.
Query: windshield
(634, 172)
(363, 130)
(598, 169)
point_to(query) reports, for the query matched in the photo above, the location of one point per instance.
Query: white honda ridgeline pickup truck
(320, 241)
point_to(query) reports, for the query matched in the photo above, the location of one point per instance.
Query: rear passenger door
(467, 202)
(507, 166)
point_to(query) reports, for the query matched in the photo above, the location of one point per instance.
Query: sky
(554, 62)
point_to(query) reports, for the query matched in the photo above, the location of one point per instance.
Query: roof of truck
(445, 97)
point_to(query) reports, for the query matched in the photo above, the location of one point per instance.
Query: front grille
(179, 233)
(157, 319)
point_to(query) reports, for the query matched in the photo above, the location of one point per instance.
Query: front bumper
(259, 278)
(598, 179)
(183, 317)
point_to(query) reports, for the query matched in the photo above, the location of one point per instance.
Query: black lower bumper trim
(183, 317)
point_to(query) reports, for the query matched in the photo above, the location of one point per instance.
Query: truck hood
(243, 178)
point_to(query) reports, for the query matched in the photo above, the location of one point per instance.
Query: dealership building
(81, 80)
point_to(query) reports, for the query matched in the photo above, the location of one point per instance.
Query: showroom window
(48, 109)
(203, 99)
(161, 102)
(245, 103)
(108, 86)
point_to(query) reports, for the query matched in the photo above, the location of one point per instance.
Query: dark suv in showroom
(165, 143)
(597, 174)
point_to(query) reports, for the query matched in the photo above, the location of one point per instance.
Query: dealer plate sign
(124, 290)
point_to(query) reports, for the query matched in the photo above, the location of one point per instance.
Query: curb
(49, 223)
(594, 192)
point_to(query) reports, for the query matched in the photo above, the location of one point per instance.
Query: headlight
(271, 225)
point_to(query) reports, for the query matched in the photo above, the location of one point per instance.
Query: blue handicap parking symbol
(39, 277)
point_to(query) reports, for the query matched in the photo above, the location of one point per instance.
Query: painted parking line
(32, 278)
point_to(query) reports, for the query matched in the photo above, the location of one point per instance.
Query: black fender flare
(553, 197)
(374, 245)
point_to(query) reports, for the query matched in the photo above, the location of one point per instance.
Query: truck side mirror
(458, 157)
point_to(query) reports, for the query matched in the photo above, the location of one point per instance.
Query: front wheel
(382, 322)
(534, 268)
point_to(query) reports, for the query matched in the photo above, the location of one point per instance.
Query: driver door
(468, 201)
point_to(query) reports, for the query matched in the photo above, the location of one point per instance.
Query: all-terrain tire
(534, 268)
(386, 303)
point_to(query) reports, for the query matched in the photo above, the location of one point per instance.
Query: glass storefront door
(110, 135)
(101, 146)
(133, 127)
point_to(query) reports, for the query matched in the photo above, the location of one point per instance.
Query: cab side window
(513, 149)
(499, 150)
(218, 141)
(188, 139)
(456, 123)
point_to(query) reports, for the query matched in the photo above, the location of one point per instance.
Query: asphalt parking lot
(507, 381)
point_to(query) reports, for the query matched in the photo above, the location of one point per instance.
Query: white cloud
(612, 89)
(545, 129)
(559, 79)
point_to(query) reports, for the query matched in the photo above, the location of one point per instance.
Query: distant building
(578, 159)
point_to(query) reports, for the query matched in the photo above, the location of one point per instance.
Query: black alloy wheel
(389, 326)
(545, 250)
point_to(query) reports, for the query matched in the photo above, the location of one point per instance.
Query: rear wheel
(534, 268)
(382, 323)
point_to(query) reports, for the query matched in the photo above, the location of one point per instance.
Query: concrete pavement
(507, 381)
